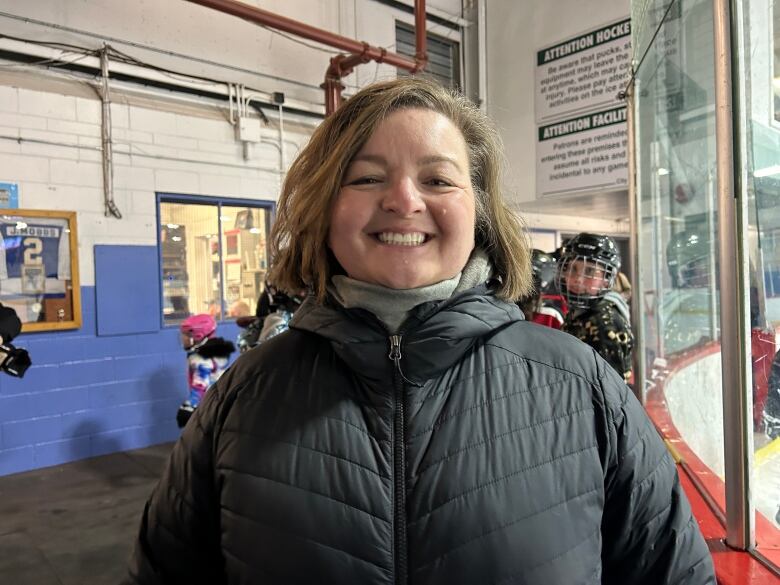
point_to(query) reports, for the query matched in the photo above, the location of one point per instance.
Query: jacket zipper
(399, 464)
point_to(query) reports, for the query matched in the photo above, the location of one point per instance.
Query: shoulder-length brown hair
(299, 249)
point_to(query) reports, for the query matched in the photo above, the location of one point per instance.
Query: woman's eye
(438, 182)
(364, 181)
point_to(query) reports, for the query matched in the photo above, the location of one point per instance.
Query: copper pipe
(340, 65)
(269, 19)
(421, 38)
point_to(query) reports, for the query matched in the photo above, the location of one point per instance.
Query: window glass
(214, 259)
(189, 250)
(245, 253)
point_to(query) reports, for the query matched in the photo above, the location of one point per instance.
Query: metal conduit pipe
(340, 65)
(107, 158)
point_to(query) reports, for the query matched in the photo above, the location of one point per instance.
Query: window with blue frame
(213, 255)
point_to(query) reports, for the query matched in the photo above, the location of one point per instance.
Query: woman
(410, 427)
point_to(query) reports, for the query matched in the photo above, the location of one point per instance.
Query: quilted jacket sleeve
(178, 541)
(649, 533)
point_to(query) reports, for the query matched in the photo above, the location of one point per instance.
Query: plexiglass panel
(759, 129)
(675, 138)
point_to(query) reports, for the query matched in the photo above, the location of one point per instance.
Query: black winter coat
(488, 451)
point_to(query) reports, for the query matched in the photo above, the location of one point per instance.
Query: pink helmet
(199, 327)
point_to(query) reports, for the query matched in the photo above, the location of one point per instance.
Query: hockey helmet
(592, 261)
(199, 327)
(543, 269)
(688, 256)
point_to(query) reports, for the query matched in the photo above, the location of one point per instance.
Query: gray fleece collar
(392, 306)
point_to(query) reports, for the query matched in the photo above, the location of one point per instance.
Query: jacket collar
(434, 336)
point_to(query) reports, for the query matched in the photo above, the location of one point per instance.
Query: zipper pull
(395, 348)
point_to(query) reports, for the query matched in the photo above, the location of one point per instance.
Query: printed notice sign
(585, 153)
(584, 73)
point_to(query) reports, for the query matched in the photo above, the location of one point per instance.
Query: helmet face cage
(594, 277)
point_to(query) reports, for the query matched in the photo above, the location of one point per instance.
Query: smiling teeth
(402, 239)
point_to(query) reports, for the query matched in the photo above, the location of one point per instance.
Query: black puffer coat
(490, 451)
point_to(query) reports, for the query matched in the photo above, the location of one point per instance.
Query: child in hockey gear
(597, 315)
(207, 359)
(272, 317)
(533, 307)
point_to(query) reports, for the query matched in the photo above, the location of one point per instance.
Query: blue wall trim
(127, 292)
(87, 395)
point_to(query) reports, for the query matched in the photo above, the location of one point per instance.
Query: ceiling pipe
(340, 65)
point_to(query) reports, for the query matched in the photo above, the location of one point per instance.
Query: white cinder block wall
(177, 149)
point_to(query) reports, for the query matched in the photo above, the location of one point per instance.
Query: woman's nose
(403, 197)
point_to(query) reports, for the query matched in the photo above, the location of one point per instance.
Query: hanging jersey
(34, 257)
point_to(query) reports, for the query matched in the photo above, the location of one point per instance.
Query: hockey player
(597, 315)
(543, 267)
(207, 359)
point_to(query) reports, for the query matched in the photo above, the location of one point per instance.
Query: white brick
(126, 177)
(49, 151)
(77, 128)
(24, 168)
(124, 135)
(220, 185)
(18, 121)
(8, 146)
(89, 155)
(86, 260)
(152, 121)
(259, 189)
(48, 196)
(232, 147)
(32, 123)
(51, 105)
(49, 136)
(204, 128)
(143, 203)
(175, 141)
(176, 182)
(89, 111)
(9, 99)
(90, 141)
(119, 116)
(88, 174)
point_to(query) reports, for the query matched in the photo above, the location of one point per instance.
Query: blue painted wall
(87, 395)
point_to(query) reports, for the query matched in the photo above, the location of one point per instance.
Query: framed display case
(39, 274)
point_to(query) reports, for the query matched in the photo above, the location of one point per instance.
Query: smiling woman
(404, 216)
(411, 426)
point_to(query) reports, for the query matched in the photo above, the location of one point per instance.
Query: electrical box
(248, 129)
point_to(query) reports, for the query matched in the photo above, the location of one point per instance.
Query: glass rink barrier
(705, 121)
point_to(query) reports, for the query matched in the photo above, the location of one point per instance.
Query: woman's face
(404, 216)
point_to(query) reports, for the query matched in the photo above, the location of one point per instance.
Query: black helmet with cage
(688, 258)
(592, 257)
(543, 269)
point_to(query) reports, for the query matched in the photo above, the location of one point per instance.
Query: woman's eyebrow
(437, 158)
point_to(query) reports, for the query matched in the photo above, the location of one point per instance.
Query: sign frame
(33, 243)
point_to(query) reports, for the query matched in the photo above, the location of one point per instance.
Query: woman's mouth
(405, 239)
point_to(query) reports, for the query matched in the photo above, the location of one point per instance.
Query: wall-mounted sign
(9, 195)
(585, 153)
(582, 135)
(582, 74)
